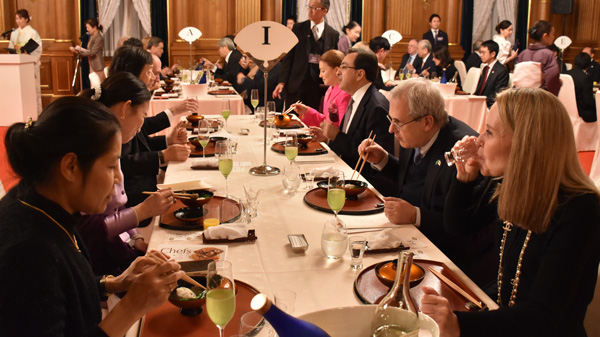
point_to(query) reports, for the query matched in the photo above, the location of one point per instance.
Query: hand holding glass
(220, 298)
(462, 151)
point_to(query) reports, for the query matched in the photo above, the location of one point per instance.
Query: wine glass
(401, 74)
(291, 146)
(203, 135)
(220, 298)
(225, 111)
(336, 195)
(223, 153)
(254, 99)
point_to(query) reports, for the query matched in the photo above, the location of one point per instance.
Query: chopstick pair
(178, 195)
(364, 160)
(159, 258)
(290, 108)
(455, 287)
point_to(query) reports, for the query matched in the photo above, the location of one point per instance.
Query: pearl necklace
(515, 282)
(71, 237)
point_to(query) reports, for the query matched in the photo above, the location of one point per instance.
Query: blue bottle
(444, 80)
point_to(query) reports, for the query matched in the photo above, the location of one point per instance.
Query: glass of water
(334, 239)
(357, 247)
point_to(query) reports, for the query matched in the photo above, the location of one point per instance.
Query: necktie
(418, 158)
(411, 59)
(315, 31)
(347, 116)
(435, 37)
(485, 74)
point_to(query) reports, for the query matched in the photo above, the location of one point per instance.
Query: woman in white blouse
(19, 38)
(506, 53)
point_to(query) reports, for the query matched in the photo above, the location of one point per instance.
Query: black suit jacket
(474, 60)
(429, 65)
(442, 38)
(495, 82)
(405, 57)
(594, 71)
(232, 68)
(259, 83)
(370, 115)
(584, 93)
(294, 66)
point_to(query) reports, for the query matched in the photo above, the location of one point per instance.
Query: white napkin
(227, 231)
(185, 185)
(384, 239)
(323, 172)
(205, 163)
(315, 159)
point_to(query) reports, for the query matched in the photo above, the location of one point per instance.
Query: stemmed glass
(401, 73)
(203, 135)
(336, 195)
(220, 299)
(291, 146)
(223, 153)
(225, 111)
(254, 99)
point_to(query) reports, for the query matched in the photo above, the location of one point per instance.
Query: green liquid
(226, 113)
(336, 198)
(225, 166)
(254, 103)
(203, 143)
(220, 304)
(291, 152)
(401, 76)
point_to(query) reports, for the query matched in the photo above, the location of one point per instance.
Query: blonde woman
(546, 213)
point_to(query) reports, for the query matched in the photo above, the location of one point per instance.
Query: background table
(209, 104)
(470, 109)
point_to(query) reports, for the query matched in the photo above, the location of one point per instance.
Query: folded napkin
(227, 231)
(323, 172)
(384, 239)
(205, 164)
(185, 185)
(315, 159)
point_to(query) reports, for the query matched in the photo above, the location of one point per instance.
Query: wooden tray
(222, 92)
(197, 152)
(293, 124)
(250, 238)
(384, 250)
(230, 213)
(167, 321)
(311, 149)
(370, 290)
(190, 127)
(317, 199)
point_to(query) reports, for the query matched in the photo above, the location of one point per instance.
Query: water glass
(462, 151)
(357, 249)
(253, 324)
(310, 179)
(260, 113)
(252, 195)
(291, 180)
(334, 238)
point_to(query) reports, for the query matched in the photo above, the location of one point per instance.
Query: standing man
(299, 75)
(365, 113)
(435, 35)
(494, 76)
(426, 65)
(411, 59)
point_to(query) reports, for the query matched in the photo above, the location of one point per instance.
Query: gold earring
(123, 117)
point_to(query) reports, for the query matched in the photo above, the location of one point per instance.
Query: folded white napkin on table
(205, 163)
(227, 231)
(384, 239)
(185, 185)
(315, 159)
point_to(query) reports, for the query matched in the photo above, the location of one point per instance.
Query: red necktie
(485, 73)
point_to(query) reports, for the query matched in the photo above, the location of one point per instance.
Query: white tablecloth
(209, 104)
(470, 109)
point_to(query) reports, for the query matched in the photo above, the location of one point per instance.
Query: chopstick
(177, 195)
(158, 258)
(381, 227)
(455, 287)
(364, 161)
(290, 108)
(359, 158)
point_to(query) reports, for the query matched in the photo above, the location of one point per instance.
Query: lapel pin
(438, 163)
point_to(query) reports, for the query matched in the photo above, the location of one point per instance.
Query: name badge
(440, 38)
(314, 58)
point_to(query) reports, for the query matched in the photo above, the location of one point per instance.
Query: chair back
(462, 70)
(586, 134)
(105, 71)
(510, 80)
(595, 170)
(528, 74)
(470, 82)
(567, 96)
(94, 80)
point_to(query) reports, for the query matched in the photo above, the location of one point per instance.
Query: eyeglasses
(398, 125)
(311, 8)
(344, 67)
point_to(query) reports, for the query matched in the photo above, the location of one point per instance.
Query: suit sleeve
(154, 124)
(94, 48)
(138, 163)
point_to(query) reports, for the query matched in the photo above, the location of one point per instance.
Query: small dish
(386, 273)
(189, 214)
(192, 306)
(194, 119)
(352, 188)
(304, 139)
(204, 197)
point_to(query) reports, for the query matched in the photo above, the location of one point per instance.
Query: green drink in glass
(336, 195)
(225, 111)
(225, 166)
(291, 152)
(220, 304)
(225, 157)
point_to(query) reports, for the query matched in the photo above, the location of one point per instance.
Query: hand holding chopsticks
(290, 108)
(364, 160)
(456, 287)
(160, 258)
(177, 195)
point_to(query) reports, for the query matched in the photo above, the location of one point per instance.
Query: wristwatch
(103, 284)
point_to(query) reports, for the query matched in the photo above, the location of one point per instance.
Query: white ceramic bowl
(447, 89)
(356, 321)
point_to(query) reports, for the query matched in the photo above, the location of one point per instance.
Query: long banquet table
(269, 264)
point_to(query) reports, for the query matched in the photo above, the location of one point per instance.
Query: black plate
(189, 214)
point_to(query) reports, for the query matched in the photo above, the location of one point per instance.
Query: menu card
(194, 257)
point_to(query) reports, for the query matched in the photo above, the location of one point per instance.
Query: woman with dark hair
(350, 34)
(505, 31)
(127, 97)
(19, 38)
(444, 64)
(542, 35)
(95, 48)
(545, 212)
(68, 163)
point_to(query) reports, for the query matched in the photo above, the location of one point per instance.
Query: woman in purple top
(542, 34)
(335, 101)
(128, 98)
(351, 34)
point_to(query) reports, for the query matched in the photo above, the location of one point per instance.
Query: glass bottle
(396, 314)
(284, 324)
(444, 79)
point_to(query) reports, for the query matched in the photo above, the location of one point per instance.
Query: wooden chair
(586, 134)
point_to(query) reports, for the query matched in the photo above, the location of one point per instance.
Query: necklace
(71, 237)
(515, 282)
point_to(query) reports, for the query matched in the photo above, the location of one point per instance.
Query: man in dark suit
(427, 65)
(411, 59)
(494, 76)
(232, 57)
(435, 35)
(299, 74)
(594, 69)
(474, 60)
(380, 46)
(584, 87)
(365, 113)
(420, 123)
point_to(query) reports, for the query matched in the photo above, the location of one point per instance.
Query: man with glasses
(419, 122)
(366, 112)
(299, 75)
(381, 47)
